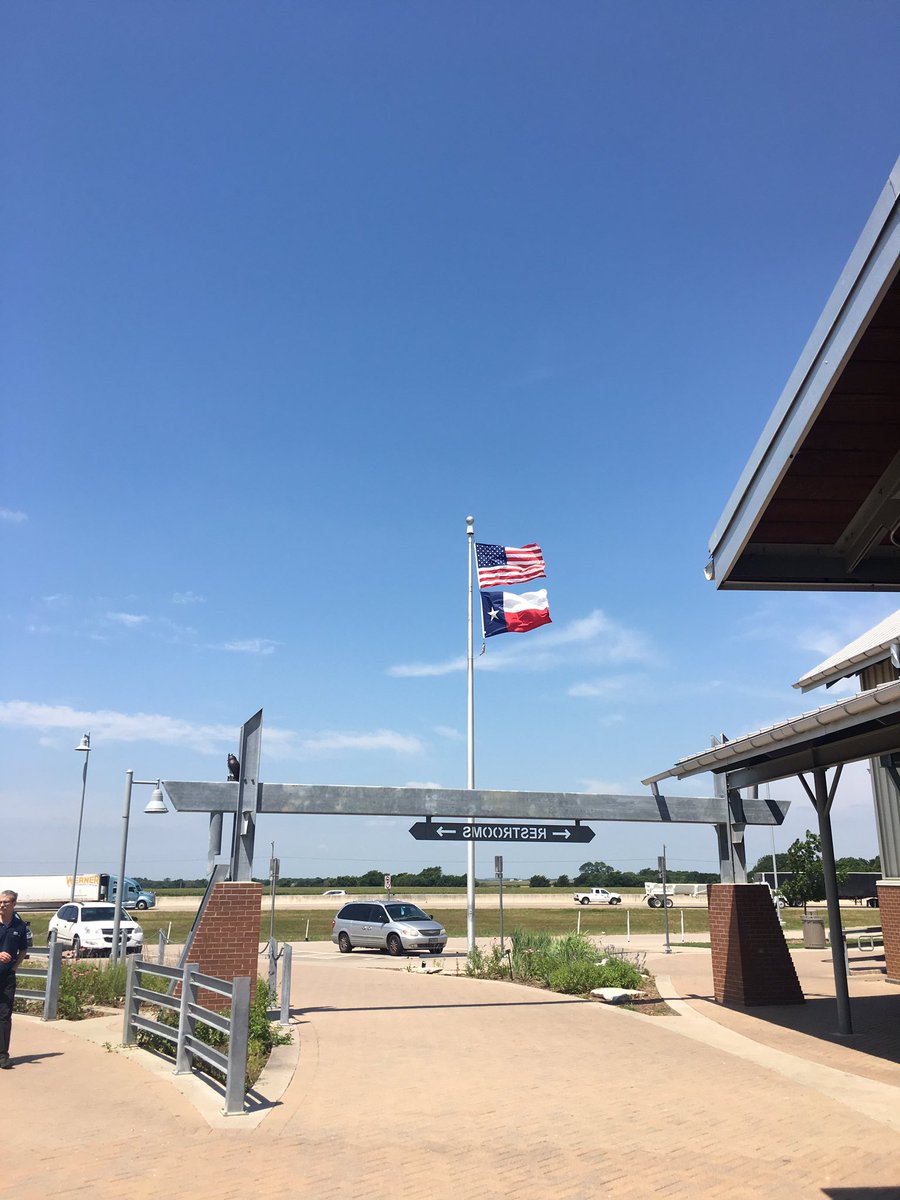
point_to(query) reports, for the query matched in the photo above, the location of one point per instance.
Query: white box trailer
(50, 891)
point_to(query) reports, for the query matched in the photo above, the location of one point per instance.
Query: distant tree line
(783, 862)
(590, 874)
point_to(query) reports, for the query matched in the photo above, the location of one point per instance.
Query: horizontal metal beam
(871, 743)
(445, 802)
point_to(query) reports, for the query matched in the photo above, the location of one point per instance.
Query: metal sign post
(498, 871)
(662, 871)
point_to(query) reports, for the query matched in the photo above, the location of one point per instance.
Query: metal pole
(286, 972)
(272, 873)
(498, 862)
(85, 748)
(823, 810)
(470, 764)
(120, 880)
(665, 899)
(237, 1047)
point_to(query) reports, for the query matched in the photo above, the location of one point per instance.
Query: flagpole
(470, 771)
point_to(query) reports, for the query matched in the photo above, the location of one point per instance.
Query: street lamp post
(84, 748)
(157, 805)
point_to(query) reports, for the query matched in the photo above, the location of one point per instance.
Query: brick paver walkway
(417, 1086)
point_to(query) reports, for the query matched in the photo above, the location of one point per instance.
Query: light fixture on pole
(157, 805)
(85, 748)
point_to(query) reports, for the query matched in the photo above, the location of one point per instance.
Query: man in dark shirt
(13, 948)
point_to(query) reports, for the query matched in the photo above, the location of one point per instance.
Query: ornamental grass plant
(571, 964)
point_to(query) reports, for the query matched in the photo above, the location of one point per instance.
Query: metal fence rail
(188, 1045)
(49, 974)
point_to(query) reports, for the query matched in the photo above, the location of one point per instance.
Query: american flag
(508, 564)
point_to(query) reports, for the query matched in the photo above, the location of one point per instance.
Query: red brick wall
(226, 944)
(889, 903)
(750, 959)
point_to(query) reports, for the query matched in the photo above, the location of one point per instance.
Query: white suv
(88, 929)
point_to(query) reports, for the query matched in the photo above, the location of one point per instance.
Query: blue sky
(292, 288)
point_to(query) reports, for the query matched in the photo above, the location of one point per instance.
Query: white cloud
(596, 639)
(284, 744)
(10, 516)
(447, 731)
(380, 739)
(613, 686)
(129, 620)
(249, 646)
(116, 727)
(422, 670)
(188, 598)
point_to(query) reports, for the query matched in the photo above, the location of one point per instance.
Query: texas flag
(509, 612)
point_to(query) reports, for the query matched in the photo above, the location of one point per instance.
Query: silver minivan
(395, 926)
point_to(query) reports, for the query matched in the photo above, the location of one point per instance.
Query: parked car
(335, 892)
(394, 926)
(88, 929)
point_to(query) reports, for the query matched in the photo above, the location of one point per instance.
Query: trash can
(813, 933)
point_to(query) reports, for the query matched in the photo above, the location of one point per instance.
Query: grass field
(297, 925)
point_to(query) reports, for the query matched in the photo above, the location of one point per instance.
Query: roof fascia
(868, 274)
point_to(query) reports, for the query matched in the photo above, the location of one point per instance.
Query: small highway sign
(499, 831)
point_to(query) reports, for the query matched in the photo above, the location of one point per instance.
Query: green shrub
(84, 984)
(574, 978)
(488, 966)
(566, 964)
(616, 972)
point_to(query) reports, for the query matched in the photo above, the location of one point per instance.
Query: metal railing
(868, 940)
(49, 973)
(188, 1045)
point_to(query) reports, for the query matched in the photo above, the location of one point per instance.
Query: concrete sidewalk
(413, 1084)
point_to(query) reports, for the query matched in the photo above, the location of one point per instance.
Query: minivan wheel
(436, 950)
(394, 945)
(344, 943)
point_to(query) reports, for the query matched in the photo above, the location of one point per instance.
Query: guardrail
(868, 939)
(188, 1045)
(49, 973)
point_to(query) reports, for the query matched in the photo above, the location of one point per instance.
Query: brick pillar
(750, 959)
(889, 903)
(226, 943)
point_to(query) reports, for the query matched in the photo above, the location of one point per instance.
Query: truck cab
(133, 895)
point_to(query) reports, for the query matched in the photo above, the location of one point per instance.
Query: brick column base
(750, 959)
(889, 903)
(226, 942)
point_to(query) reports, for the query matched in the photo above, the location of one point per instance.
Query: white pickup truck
(597, 895)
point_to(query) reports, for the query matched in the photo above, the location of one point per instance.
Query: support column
(823, 798)
(244, 833)
(889, 903)
(750, 959)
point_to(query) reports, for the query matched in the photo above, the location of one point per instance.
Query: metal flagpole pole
(470, 771)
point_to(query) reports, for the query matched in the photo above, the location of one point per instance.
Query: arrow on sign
(498, 831)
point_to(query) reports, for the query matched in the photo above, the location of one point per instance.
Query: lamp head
(85, 743)
(157, 805)
(710, 570)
